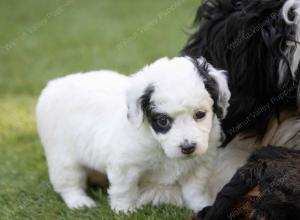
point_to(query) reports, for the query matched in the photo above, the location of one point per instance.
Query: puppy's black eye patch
(161, 123)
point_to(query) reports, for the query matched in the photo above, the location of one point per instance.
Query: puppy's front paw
(122, 206)
(75, 200)
(197, 204)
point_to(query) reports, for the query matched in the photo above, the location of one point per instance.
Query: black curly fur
(248, 39)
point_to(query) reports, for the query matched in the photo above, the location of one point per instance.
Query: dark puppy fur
(266, 188)
(252, 41)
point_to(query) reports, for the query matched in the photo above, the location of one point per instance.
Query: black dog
(266, 188)
(256, 41)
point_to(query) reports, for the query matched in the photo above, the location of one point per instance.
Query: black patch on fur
(248, 39)
(153, 120)
(150, 114)
(210, 84)
(145, 101)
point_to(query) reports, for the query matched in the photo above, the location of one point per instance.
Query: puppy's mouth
(189, 157)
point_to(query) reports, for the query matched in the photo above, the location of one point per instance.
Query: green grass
(41, 40)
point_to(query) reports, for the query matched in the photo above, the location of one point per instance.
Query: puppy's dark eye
(199, 115)
(163, 121)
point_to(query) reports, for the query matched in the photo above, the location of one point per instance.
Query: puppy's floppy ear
(215, 82)
(220, 77)
(138, 95)
(138, 99)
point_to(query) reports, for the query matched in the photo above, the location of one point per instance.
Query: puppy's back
(70, 102)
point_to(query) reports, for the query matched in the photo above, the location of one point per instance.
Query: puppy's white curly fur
(83, 124)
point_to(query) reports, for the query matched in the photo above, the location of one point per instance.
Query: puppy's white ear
(217, 85)
(138, 99)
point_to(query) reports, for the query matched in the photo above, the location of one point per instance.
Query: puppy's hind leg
(70, 181)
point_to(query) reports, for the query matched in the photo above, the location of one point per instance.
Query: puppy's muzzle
(188, 148)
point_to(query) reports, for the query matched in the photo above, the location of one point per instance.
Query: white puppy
(153, 134)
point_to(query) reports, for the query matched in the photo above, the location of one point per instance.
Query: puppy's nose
(188, 148)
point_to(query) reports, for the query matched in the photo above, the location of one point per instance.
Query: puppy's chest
(165, 173)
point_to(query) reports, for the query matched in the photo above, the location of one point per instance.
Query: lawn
(44, 39)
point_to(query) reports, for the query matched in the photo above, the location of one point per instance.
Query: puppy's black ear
(138, 99)
(223, 91)
(216, 83)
